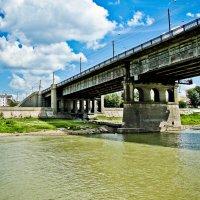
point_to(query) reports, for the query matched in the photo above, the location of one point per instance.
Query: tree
(112, 100)
(194, 96)
(182, 104)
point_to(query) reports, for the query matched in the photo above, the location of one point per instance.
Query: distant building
(5, 99)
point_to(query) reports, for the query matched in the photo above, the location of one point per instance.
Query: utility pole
(169, 21)
(80, 64)
(40, 86)
(168, 14)
(113, 48)
(17, 96)
(53, 78)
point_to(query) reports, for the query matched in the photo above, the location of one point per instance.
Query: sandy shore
(89, 131)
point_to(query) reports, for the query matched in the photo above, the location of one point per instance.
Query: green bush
(182, 104)
(113, 100)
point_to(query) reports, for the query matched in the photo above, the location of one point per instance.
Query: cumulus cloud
(140, 19)
(41, 57)
(34, 63)
(38, 32)
(29, 82)
(189, 14)
(44, 21)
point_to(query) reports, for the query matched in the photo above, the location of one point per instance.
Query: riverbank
(42, 127)
(33, 126)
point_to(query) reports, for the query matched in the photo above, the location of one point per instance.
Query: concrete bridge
(151, 70)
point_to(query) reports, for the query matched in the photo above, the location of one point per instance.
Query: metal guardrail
(136, 49)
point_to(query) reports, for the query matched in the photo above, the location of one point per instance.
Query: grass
(193, 119)
(101, 117)
(27, 125)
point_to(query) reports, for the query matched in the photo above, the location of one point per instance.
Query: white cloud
(41, 57)
(43, 28)
(139, 19)
(27, 82)
(117, 2)
(44, 21)
(95, 45)
(35, 63)
(149, 21)
(189, 14)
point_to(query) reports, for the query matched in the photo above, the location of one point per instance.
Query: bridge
(151, 70)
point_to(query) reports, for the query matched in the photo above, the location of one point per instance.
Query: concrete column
(88, 106)
(81, 106)
(162, 95)
(94, 102)
(131, 92)
(75, 107)
(39, 99)
(128, 94)
(176, 93)
(69, 105)
(62, 105)
(147, 94)
(53, 98)
(102, 103)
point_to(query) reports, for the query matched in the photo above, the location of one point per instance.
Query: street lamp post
(113, 48)
(80, 65)
(168, 12)
(169, 22)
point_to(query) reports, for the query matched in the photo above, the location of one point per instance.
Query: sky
(39, 37)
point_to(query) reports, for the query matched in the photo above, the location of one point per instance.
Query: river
(107, 166)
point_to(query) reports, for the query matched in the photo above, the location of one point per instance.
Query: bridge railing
(139, 68)
(136, 49)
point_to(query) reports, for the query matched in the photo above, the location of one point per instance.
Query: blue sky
(39, 37)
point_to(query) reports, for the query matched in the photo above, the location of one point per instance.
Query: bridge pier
(54, 98)
(82, 110)
(88, 106)
(155, 108)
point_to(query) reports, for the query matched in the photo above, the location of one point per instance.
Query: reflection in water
(107, 166)
(176, 140)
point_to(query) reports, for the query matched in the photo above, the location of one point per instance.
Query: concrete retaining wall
(22, 112)
(188, 111)
(113, 112)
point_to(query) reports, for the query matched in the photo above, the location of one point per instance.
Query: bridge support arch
(151, 112)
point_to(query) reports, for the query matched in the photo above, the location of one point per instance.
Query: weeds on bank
(193, 119)
(26, 125)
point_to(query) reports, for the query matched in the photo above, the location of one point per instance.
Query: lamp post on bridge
(168, 13)
(113, 47)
